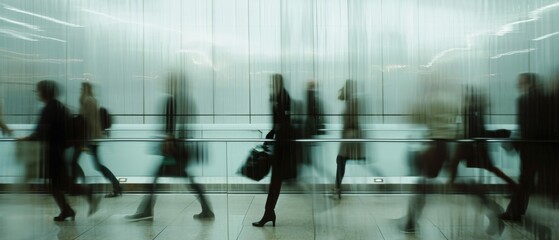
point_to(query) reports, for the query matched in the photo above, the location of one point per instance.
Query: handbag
(258, 163)
(175, 159)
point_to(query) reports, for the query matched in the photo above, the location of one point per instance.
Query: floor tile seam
(165, 227)
(440, 231)
(180, 212)
(105, 219)
(438, 228)
(83, 234)
(380, 231)
(118, 207)
(244, 218)
(366, 207)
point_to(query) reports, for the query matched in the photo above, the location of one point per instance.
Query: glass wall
(229, 49)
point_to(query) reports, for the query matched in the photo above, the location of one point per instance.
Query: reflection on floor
(299, 216)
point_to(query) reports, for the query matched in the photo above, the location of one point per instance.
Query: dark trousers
(274, 189)
(340, 170)
(78, 172)
(148, 202)
(429, 163)
(530, 157)
(61, 182)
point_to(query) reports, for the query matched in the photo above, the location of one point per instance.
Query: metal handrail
(310, 140)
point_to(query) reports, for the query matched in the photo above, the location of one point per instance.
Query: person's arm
(41, 130)
(5, 129)
(454, 167)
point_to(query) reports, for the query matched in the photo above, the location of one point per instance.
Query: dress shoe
(65, 214)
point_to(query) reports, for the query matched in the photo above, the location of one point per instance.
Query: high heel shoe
(266, 218)
(65, 214)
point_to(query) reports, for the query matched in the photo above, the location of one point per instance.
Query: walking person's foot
(139, 217)
(113, 194)
(204, 215)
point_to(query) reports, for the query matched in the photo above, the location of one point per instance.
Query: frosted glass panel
(231, 55)
(228, 49)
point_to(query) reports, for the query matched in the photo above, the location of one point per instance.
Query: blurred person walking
(283, 162)
(351, 130)
(476, 154)
(313, 127)
(532, 116)
(438, 111)
(179, 109)
(90, 122)
(53, 129)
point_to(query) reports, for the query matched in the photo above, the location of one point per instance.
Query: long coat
(351, 130)
(52, 129)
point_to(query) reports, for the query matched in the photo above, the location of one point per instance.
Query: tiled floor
(299, 216)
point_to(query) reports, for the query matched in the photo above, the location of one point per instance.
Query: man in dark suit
(531, 125)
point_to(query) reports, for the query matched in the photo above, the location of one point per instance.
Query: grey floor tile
(348, 232)
(299, 216)
(392, 229)
(122, 231)
(463, 233)
(205, 232)
(278, 232)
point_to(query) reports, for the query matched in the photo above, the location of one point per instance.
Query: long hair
(277, 87)
(87, 91)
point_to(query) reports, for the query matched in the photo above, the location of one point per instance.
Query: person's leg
(105, 171)
(491, 209)
(58, 194)
(65, 210)
(455, 160)
(430, 162)
(340, 170)
(76, 170)
(415, 206)
(272, 199)
(482, 152)
(204, 203)
(145, 209)
(502, 175)
(273, 191)
(60, 182)
(519, 201)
